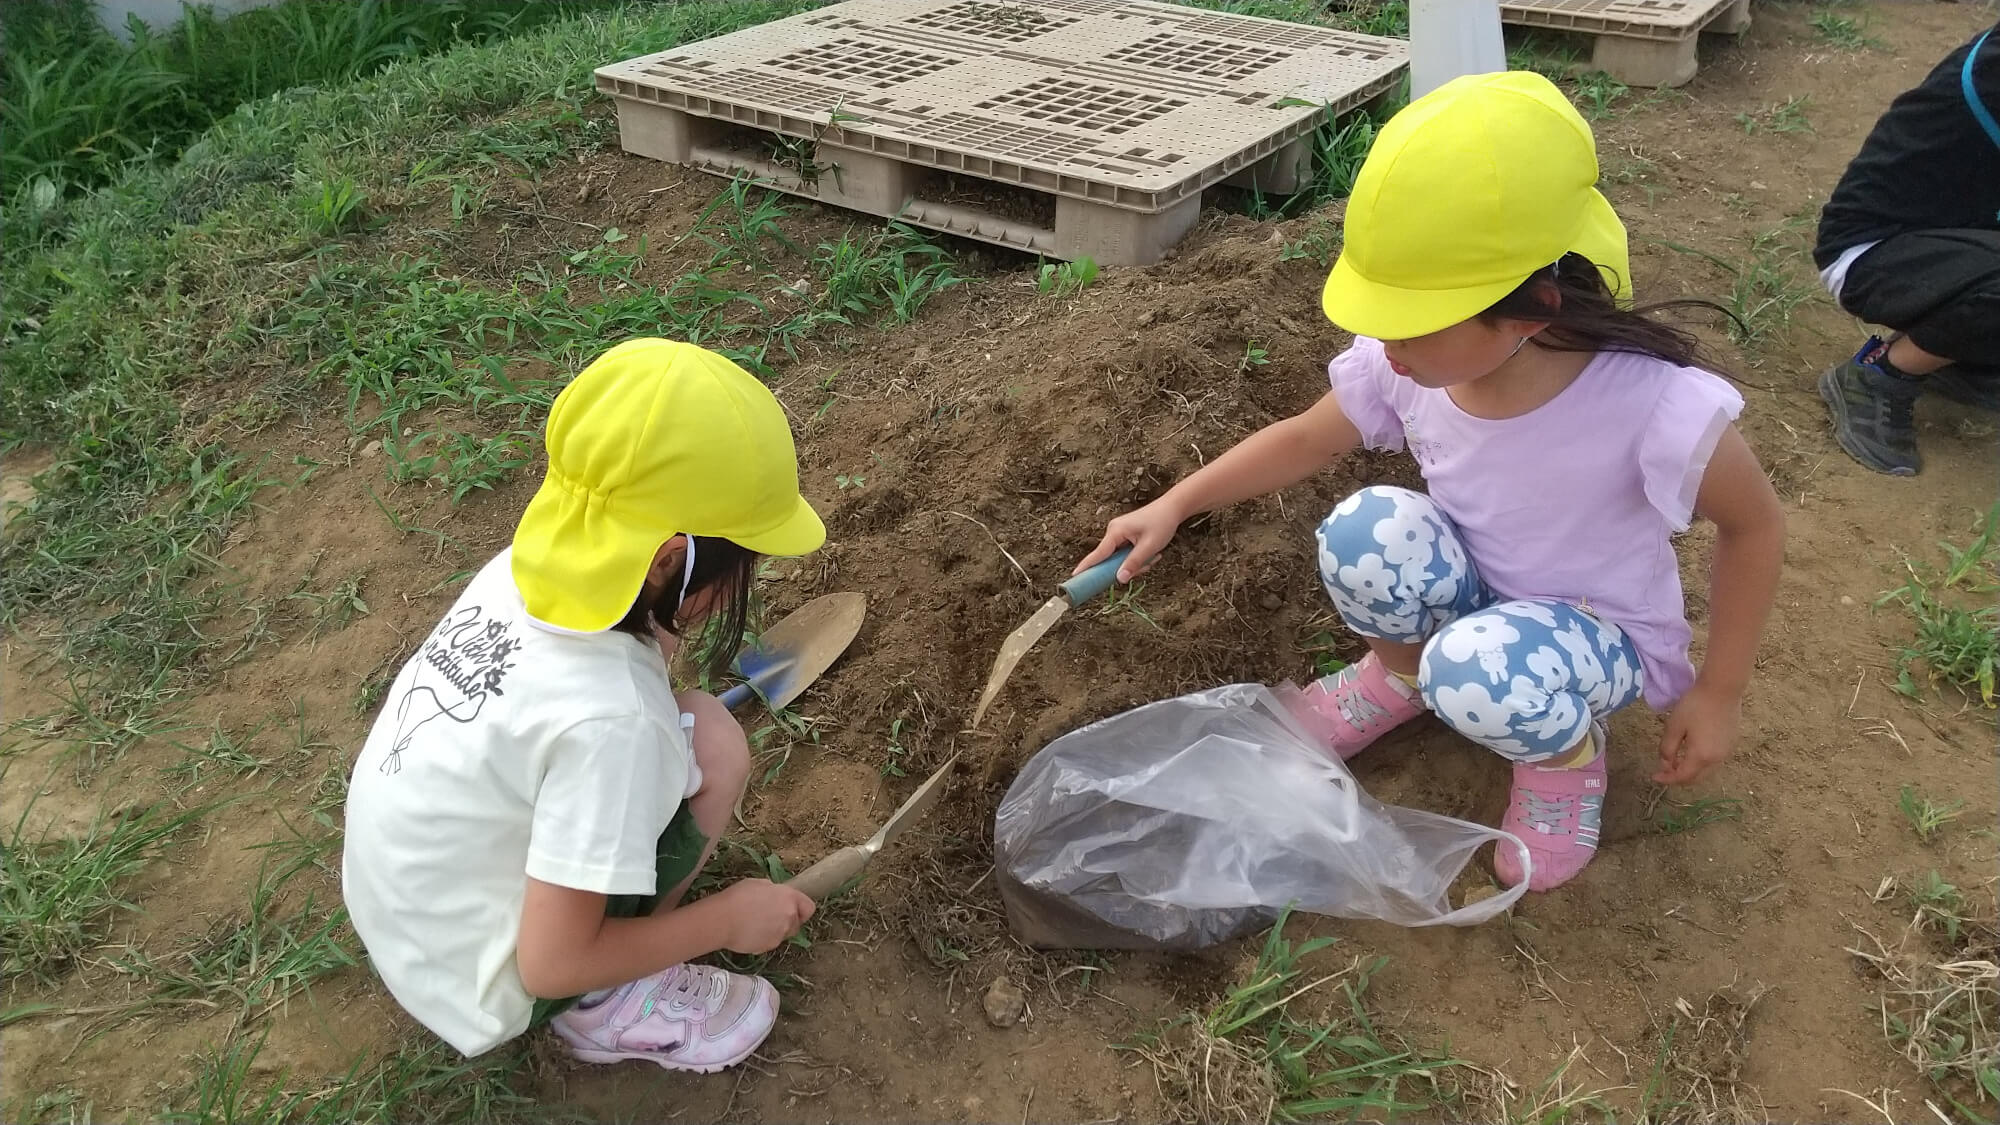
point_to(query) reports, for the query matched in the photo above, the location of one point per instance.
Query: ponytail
(1574, 298)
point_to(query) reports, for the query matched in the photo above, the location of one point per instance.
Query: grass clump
(1938, 997)
(58, 894)
(1957, 638)
(1927, 817)
(426, 1083)
(1258, 1055)
(257, 960)
(1845, 33)
(1678, 818)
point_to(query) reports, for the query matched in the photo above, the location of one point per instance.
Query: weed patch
(1938, 998)
(1957, 639)
(1257, 1055)
(57, 895)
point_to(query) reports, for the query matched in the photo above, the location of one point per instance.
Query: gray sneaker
(1873, 416)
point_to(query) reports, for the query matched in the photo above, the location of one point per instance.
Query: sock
(1590, 745)
(593, 999)
(1408, 681)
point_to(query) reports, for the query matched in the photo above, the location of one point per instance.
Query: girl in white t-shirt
(535, 799)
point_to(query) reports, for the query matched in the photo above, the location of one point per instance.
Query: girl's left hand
(1701, 731)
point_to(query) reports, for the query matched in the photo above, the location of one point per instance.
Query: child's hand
(761, 914)
(1148, 530)
(1701, 731)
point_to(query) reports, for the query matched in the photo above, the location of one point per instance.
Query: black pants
(1941, 288)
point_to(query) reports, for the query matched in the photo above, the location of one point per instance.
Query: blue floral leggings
(1522, 678)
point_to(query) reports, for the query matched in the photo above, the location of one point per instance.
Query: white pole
(1453, 38)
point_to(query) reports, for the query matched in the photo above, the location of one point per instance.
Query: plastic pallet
(1639, 42)
(1108, 118)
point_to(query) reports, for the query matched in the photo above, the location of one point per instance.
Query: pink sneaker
(1353, 707)
(1557, 813)
(689, 1017)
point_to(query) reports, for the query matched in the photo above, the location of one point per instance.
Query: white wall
(162, 13)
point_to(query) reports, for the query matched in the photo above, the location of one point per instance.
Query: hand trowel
(790, 655)
(1075, 592)
(833, 872)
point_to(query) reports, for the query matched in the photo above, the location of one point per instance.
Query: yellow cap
(1468, 191)
(656, 438)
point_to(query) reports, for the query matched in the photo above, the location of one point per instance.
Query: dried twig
(996, 543)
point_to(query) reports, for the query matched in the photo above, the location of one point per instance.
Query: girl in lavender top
(1564, 438)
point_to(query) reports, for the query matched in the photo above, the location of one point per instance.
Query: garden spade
(790, 655)
(1075, 592)
(833, 872)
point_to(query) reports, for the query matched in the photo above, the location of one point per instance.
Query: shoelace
(681, 982)
(1360, 710)
(1901, 411)
(1547, 815)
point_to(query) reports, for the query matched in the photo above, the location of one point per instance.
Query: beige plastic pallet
(1639, 42)
(1069, 128)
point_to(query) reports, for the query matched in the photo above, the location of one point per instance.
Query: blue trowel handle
(1096, 580)
(735, 698)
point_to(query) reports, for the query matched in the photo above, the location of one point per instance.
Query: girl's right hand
(1148, 530)
(759, 914)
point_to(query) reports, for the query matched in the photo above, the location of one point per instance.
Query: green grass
(1767, 284)
(1846, 33)
(1125, 600)
(428, 1083)
(1597, 94)
(1677, 818)
(59, 894)
(77, 105)
(1065, 279)
(262, 958)
(1957, 635)
(1927, 818)
(1788, 116)
(1320, 243)
(1256, 1054)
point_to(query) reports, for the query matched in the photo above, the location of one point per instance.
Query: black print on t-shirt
(462, 663)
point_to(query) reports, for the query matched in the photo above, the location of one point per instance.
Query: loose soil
(983, 449)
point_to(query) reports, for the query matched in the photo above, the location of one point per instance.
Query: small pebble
(1005, 1003)
(372, 449)
(1271, 601)
(1846, 600)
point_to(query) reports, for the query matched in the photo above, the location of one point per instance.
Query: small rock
(1271, 601)
(1846, 599)
(1005, 1003)
(372, 449)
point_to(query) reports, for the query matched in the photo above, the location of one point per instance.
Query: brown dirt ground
(1005, 420)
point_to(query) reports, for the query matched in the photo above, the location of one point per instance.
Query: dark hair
(718, 565)
(1575, 298)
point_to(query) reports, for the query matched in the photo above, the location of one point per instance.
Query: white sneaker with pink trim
(688, 1017)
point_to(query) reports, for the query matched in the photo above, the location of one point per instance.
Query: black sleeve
(1928, 164)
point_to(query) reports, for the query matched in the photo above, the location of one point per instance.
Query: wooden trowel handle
(832, 873)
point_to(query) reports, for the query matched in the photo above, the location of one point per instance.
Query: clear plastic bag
(1194, 820)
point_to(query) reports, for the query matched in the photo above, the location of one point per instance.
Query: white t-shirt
(505, 749)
